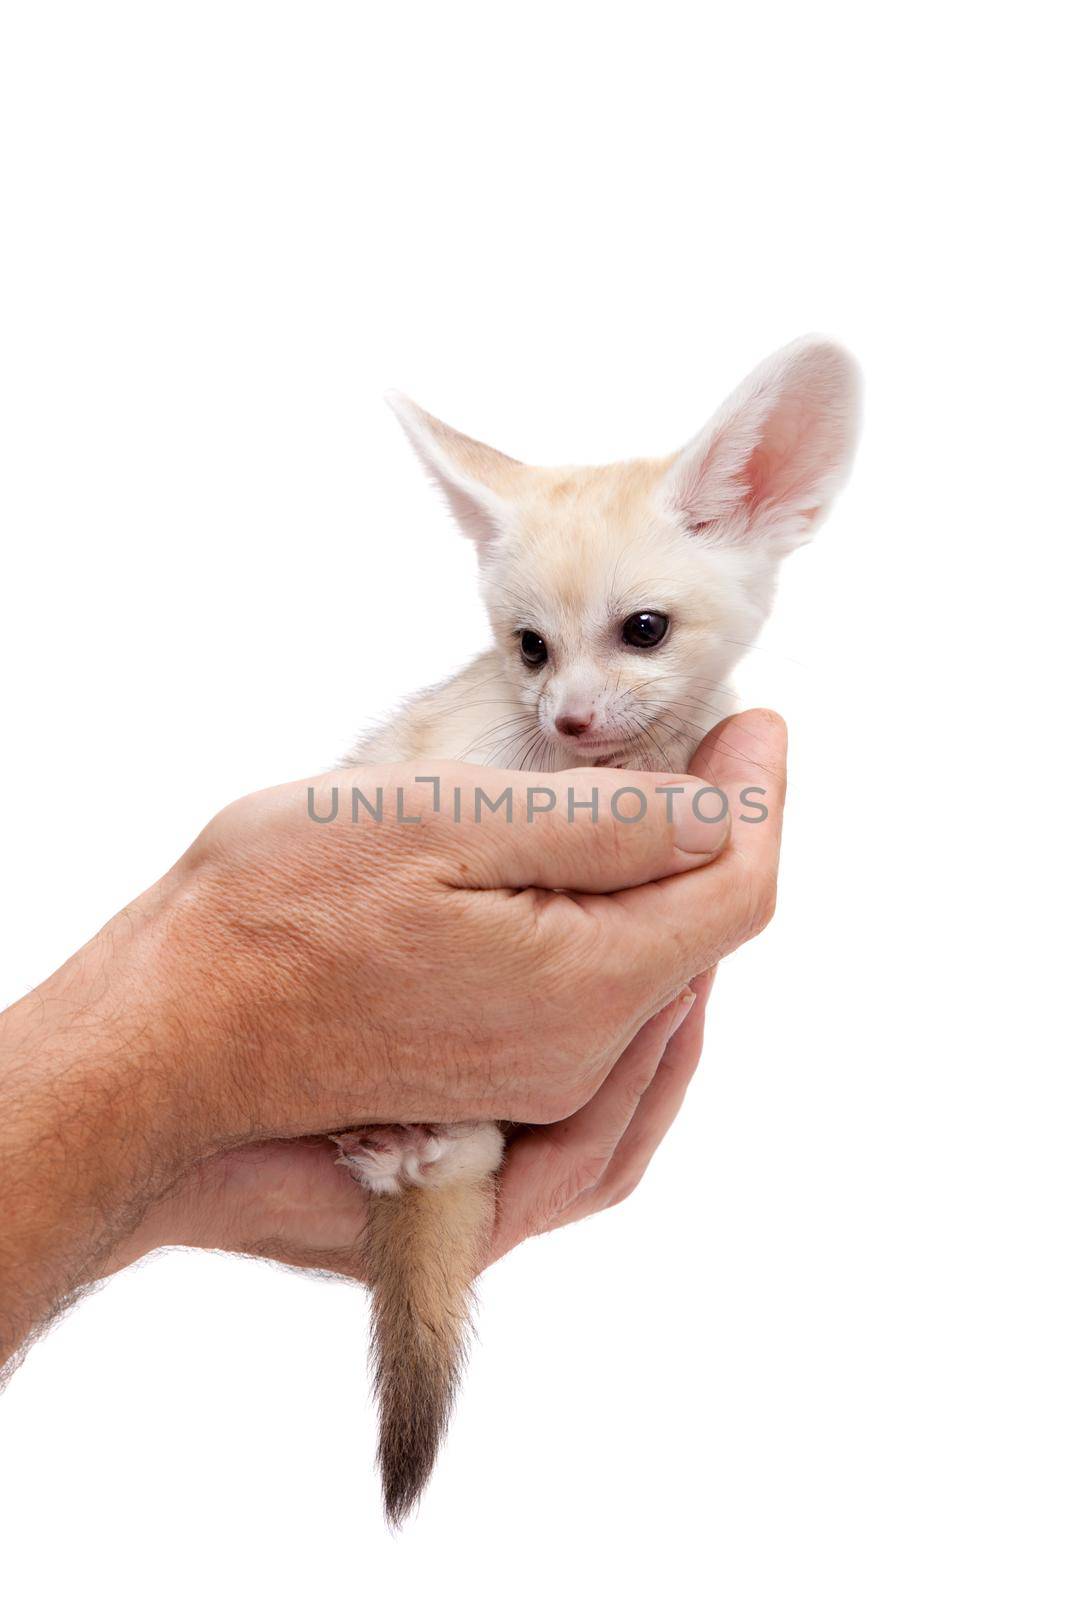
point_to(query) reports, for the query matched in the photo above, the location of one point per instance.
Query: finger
(547, 1168)
(288, 1192)
(652, 1118)
(593, 830)
(701, 916)
(660, 1104)
(592, 1134)
(745, 757)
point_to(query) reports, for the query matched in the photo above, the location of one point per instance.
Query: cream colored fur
(569, 551)
(567, 554)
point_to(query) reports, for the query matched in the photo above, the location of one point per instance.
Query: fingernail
(701, 820)
(683, 1004)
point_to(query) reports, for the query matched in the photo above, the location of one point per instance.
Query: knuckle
(570, 1098)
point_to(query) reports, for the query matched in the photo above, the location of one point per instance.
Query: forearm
(90, 1135)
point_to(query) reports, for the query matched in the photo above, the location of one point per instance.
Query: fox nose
(574, 726)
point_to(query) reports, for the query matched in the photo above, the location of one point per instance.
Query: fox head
(622, 596)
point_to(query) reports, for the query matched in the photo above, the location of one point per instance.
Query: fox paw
(391, 1156)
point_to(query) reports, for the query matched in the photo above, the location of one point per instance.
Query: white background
(821, 1352)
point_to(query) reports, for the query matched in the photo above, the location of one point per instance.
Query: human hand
(325, 975)
(265, 988)
(288, 1200)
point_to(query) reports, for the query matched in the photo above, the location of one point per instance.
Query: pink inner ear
(792, 458)
(770, 461)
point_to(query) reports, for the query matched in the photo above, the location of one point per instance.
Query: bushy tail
(425, 1248)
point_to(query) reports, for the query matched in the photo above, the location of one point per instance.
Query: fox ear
(768, 464)
(478, 481)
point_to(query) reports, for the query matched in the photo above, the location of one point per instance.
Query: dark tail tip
(407, 1447)
(425, 1245)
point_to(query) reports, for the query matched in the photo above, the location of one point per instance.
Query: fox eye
(645, 629)
(532, 648)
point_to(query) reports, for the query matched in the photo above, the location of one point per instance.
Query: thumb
(708, 914)
(591, 830)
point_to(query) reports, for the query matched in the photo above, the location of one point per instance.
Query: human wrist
(79, 1047)
(90, 1128)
